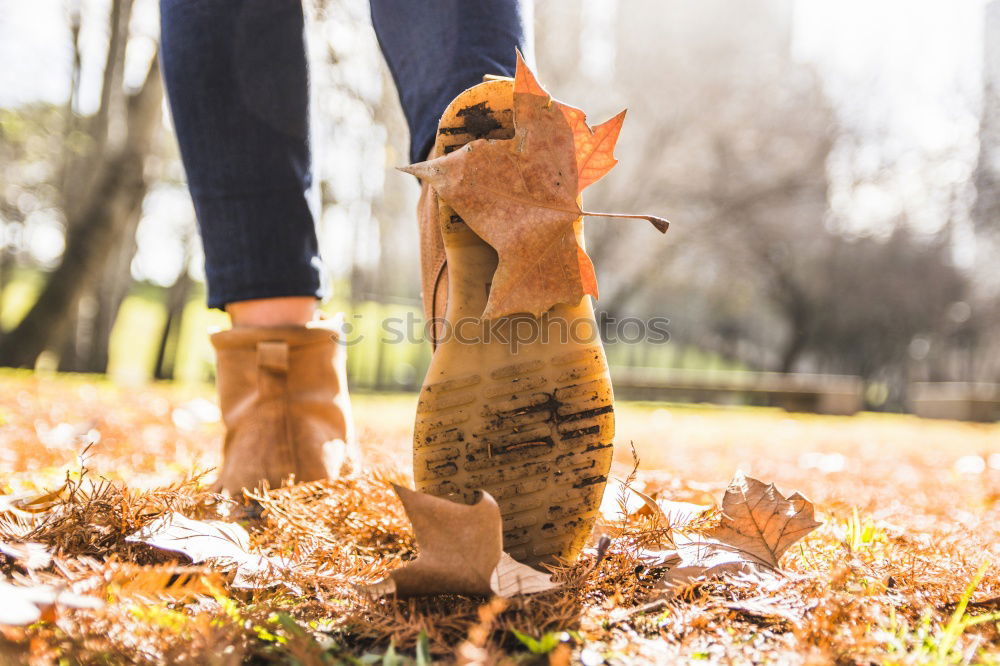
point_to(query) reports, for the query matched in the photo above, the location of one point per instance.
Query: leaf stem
(661, 224)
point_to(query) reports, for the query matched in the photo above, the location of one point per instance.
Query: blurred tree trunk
(798, 336)
(87, 337)
(115, 283)
(6, 264)
(75, 335)
(84, 347)
(786, 290)
(94, 228)
(116, 276)
(70, 173)
(177, 298)
(106, 128)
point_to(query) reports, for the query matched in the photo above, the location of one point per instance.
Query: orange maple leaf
(594, 146)
(521, 196)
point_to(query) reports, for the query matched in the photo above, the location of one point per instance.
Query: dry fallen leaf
(760, 522)
(30, 503)
(621, 500)
(460, 552)
(678, 515)
(703, 559)
(223, 544)
(521, 196)
(511, 578)
(23, 605)
(758, 525)
(29, 555)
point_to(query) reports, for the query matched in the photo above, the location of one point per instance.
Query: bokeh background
(832, 172)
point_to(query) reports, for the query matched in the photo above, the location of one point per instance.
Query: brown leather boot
(283, 394)
(532, 426)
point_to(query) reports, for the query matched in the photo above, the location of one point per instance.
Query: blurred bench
(820, 394)
(956, 400)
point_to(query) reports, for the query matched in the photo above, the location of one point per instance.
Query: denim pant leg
(237, 81)
(236, 76)
(437, 48)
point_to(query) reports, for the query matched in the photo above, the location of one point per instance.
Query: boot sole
(531, 424)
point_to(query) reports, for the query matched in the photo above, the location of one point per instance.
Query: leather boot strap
(272, 368)
(273, 355)
(272, 383)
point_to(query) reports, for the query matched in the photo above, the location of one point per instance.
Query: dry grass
(905, 532)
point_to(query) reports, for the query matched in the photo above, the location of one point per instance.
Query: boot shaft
(284, 401)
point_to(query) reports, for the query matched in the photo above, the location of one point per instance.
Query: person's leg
(237, 79)
(437, 48)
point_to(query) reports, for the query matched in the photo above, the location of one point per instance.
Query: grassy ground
(910, 511)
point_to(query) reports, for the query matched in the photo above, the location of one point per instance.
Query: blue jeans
(238, 84)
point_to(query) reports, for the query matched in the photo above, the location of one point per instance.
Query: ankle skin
(272, 312)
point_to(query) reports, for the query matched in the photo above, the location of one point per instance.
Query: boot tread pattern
(542, 447)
